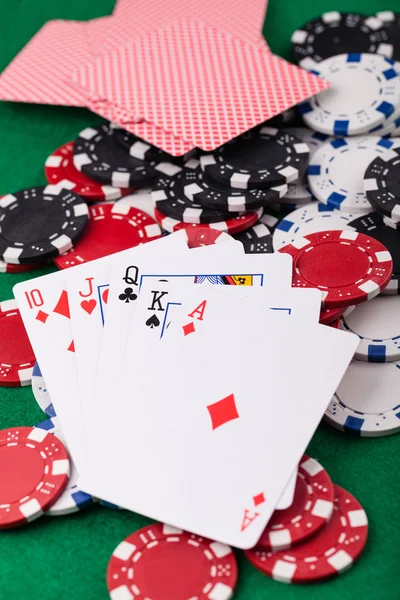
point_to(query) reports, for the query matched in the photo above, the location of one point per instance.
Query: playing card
(156, 80)
(218, 438)
(139, 17)
(40, 72)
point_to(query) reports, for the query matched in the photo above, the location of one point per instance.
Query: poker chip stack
(229, 189)
(318, 537)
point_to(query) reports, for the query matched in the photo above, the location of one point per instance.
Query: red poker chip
(112, 228)
(16, 355)
(59, 167)
(235, 225)
(204, 236)
(10, 268)
(311, 508)
(327, 554)
(328, 315)
(161, 562)
(34, 470)
(347, 266)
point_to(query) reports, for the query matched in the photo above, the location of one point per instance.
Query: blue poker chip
(73, 499)
(365, 90)
(41, 392)
(334, 183)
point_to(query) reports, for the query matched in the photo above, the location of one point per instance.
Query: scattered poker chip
(145, 560)
(329, 315)
(170, 199)
(10, 268)
(204, 236)
(299, 191)
(365, 89)
(348, 267)
(329, 553)
(16, 355)
(112, 228)
(310, 219)
(256, 240)
(366, 403)
(41, 392)
(35, 471)
(98, 156)
(233, 225)
(260, 158)
(39, 223)
(391, 21)
(377, 324)
(72, 499)
(217, 196)
(334, 183)
(338, 33)
(59, 169)
(310, 510)
(376, 226)
(382, 183)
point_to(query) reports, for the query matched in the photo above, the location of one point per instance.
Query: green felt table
(66, 557)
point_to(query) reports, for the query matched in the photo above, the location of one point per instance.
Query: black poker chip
(213, 194)
(391, 21)
(260, 158)
(374, 225)
(98, 156)
(138, 148)
(339, 33)
(39, 223)
(382, 184)
(171, 201)
(256, 239)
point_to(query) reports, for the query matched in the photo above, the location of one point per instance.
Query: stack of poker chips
(230, 189)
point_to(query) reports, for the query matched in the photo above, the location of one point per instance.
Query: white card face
(44, 307)
(197, 441)
(270, 270)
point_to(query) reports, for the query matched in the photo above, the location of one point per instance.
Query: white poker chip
(73, 499)
(298, 191)
(309, 219)
(365, 90)
(390, 124)
(366, 403)
(336, 172)
(377, 324)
